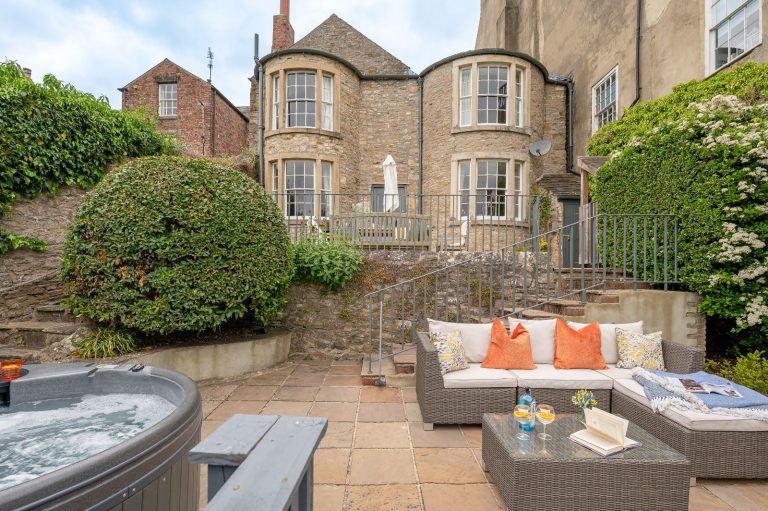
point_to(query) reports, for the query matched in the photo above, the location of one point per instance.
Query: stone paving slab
(376, 455)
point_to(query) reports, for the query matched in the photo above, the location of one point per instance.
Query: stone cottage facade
(335, 104)
(202, 118)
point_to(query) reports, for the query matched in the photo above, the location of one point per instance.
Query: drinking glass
(522, 417)
(545, 414)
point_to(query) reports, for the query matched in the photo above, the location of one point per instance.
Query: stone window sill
(313, 131)
(491, 127)
(167, 117)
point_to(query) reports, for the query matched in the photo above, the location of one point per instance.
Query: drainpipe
(637, 51)
(213, 121)
(259, 71)
(420, 82)
(569, 124)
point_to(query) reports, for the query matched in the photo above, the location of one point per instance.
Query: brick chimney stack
(282, 31)
(27, 72)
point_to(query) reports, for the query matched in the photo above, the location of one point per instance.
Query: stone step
(55, 313)
(26, 355)
(405, 361)
(563, 307)
(38, 334)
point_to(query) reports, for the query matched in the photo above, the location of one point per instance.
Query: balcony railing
(467, 222)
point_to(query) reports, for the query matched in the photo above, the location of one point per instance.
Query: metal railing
(533, 273)
(480, 222)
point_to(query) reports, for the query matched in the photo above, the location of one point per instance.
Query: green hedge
(171, 244)
(748, 82)
(53, 135)
(708, 167)
(329, 263)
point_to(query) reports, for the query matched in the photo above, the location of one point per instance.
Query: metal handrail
(632, 249)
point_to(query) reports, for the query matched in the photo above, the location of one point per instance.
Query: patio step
(55, 313)
(396, 370)
(27, 356)
(37, 334)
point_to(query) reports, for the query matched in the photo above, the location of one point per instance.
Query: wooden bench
(260, 462)
(382, 230)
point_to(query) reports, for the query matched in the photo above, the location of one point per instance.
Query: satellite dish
(541, 147)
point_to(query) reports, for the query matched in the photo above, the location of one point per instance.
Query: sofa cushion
(615, 373)
(608, 337)
(476, 377)
(578, 349)
(695, 421)
(450, 351)
(545, 376)
(509, 351)
(639, 350)
(475, 336)
(542, 332)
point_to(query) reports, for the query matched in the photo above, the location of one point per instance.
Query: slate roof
(561, 185)
(336, 36)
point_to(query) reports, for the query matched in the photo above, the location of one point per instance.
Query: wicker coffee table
(560, 474)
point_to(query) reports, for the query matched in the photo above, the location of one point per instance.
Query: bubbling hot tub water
(39, 437)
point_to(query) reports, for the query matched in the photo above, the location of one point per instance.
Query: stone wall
(47, 218)
(17, 303)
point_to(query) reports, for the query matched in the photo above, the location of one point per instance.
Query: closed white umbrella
(391, 197)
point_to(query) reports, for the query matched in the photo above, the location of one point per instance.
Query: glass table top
(562, 448)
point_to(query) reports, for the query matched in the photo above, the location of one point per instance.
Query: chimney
(27, 72)
(282, 31)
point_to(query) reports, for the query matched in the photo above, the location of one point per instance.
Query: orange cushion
(578, 349)
(509, 351)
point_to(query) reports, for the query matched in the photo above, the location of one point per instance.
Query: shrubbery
(709, 167)
(105, 342)
(52, 135)
(170, 244)
(750, 370)
(329, 263)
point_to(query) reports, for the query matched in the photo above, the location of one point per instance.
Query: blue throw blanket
(663, 394)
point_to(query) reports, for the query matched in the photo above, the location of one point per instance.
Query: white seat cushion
(615, 373)
(608, 337)
(542, 332)
(545, 376)
(476, 337)
(479, 377)
(695, 421)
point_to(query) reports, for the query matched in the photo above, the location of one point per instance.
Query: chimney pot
(285, 8)
(282, 31)
(27, 72)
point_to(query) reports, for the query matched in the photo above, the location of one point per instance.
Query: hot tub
(148, 470)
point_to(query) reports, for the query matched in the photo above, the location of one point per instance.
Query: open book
(704, 388)
(606, 433)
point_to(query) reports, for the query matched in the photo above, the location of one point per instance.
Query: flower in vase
(584, 399)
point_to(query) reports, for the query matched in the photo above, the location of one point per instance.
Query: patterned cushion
(450, 351)
(639, 350)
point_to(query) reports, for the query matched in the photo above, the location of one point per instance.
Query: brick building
(202, 118)
(336, 103)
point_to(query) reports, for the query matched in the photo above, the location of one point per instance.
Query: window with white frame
(519, 205)
(491, 189)
(299, 188)
(463, 181)
(379, 201)
(465, 96)
(168, 99)
(492, 91)
(326, 190)
(275, 178)
(734, 28)
(327, 112)
(275, 101)
(519, 104)
(300, 99)
(605, 106)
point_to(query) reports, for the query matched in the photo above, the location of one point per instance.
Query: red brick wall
(190, 123)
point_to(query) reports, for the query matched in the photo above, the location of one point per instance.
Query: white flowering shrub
(709, 167)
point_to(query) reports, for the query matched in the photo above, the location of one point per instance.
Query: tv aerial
(541, 147)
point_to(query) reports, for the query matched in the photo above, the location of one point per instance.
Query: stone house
(620, 53)
(197, 113)
(336, 103)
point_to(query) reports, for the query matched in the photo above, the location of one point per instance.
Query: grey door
(570, 239)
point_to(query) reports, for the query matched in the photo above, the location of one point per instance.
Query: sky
(101, 45)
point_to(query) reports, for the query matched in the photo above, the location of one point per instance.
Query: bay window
(463, 188)
(327, 111)
(491, 186)
(300, 188)
(490, 189)
(326, 189)
(489, 95)
(275, 101)
(300, 99)
(465, 96)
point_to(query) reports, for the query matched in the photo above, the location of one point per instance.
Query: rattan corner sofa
(717, 446)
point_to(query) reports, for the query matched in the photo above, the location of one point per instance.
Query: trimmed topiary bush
(171, 244)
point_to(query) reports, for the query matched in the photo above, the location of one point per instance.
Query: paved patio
(376, 454)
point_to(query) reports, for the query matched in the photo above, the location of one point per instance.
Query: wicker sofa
(717, 447)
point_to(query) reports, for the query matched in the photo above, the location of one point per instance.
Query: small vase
(582, 417)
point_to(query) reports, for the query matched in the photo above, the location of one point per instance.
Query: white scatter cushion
(542, 332)
(478, 377)
(689, 419)
(545, 376)
(608, 337)
(476, 337)
(615, 373)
